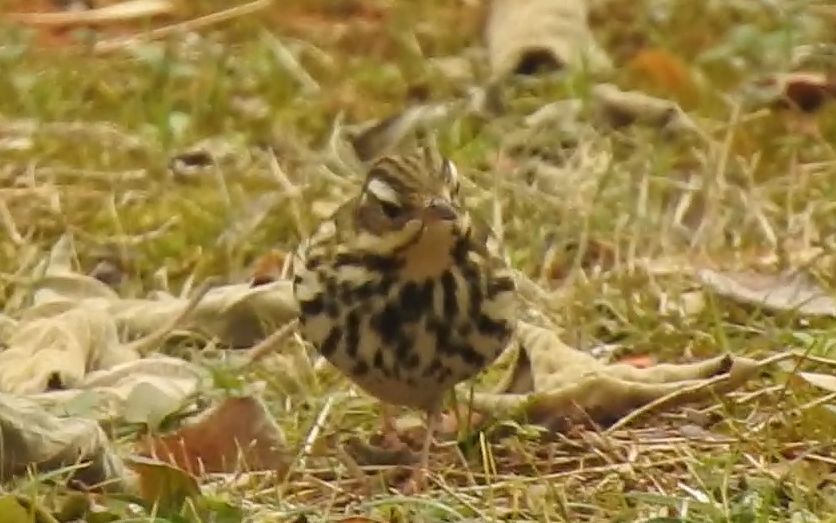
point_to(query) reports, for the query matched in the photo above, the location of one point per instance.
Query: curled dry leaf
(72, 329)
(239, 315)
(141, 391)
(239, 434)
(206, 155)
(58, 351)
(621, 108)
(554, 385)
(804, 91)
(381, 137)
(779, 293)
(32, 437)
(524, 36)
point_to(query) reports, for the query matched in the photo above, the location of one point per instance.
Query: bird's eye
(391, 210)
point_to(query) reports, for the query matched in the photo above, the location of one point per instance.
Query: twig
(106, 46)
(293, 192)
(687, 390)
(307, 447)
(286, 59)
(120, 12)
(268, 344)
(145, 345)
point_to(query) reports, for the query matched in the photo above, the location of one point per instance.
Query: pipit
(403, 292)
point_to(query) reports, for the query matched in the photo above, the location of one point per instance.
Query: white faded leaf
(33, 437)
(781, 293)
(822, 381)
(523, 35)
(149, 402)
(59, 350)
(140, 391)
(238, 314)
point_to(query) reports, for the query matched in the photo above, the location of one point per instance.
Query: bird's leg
(419, 476)
(391, 439)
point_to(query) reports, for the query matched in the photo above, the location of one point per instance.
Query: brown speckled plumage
(400, 291)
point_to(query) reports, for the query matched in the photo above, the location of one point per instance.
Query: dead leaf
(34, 438)
(822, 381)
(621, 108)
(237, 434)
(803, 91)
(775, 292)
(663, 71)
(525, 36)
(141, 391)
(162, 484)
(57, 351)
(381, 137)
(268, 267)
(71, 329)
(557, 386)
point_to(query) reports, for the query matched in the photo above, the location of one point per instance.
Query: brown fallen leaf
(162, 484)
(804, 91)
(237, 434)
(268, 267)
(660, 70)
(776, 292)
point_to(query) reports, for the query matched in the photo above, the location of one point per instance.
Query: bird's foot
(391, 440)
(417, 481)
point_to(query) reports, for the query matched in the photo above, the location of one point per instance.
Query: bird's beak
(439, 209)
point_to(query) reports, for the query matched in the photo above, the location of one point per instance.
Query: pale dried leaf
(381, 137)
(32, 437)
(822, 381)
(775, 292)
(107, 395)
(524, 35)
(627, 107)
(57, 351)
(238, 315)
(552, 383)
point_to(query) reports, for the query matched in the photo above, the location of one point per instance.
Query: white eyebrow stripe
(383, 191)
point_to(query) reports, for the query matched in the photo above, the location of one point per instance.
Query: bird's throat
(429, 256)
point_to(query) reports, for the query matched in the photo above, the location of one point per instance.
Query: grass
(107, 126)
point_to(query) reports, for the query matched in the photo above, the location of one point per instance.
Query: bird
(403, 291)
